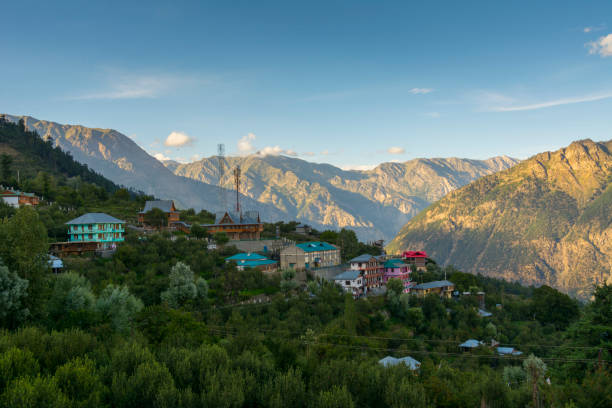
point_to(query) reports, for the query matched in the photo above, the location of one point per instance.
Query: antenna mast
(221, 168)
(237, 181)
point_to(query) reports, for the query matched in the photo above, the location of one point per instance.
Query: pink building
(396, 268)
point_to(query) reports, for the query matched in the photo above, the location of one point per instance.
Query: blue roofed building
(351, 281)
(253, 260)
(309, 255)
(508, 351)
(470, 344)
(100, 228)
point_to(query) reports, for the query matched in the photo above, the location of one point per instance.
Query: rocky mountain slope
(374, 203)
(546, 220)
(121, 160)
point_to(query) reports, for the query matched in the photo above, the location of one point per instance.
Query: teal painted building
(96, 227)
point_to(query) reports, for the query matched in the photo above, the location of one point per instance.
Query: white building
(351, 282)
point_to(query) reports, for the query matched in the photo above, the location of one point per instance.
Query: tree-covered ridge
(544, 221)
(31, 154)
(167, 322)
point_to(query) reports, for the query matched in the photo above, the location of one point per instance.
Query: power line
(439, 353)
(411, 339)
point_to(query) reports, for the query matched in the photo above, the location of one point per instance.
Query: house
(253, 260)
(484, 313)
(237, 226)
(418, 258)
(180, 226)
(370, 267)
(444, 288)
(167, 206)
(410, 362)
(508, 351)
(397, 269)
(18, 198)
(100, 228)
(303, 229)
(309, 255)
(470, 345)
(351, 281)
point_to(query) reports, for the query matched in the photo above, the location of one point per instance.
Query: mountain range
(375, 203)
(546, 220)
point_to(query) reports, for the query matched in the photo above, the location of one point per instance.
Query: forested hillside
(166, 322)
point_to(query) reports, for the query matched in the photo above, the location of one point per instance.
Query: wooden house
(167, 206)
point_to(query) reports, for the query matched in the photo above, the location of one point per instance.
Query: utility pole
(237, 173)
(221, 168)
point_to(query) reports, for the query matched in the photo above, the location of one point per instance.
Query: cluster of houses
(368, 272)
(16, 198)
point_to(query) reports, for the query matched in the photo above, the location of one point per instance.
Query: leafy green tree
(117, 305)
(156, 218)
(198, 232)
(286, 390)
(553, 307)
(151, 385)
(336, 397)
(15, 363)
(6, 210)
(6, 162)
(405, 393)
(78, 380)
(13, 292)
(514, 376)
(23, 243)
(348, 243)
(535, 369)
(182, 287)
(350, 314)
(34, 392)
(71, 300)
(221, 238)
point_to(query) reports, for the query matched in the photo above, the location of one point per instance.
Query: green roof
(316, 246)
(246, 257)
(394, 263)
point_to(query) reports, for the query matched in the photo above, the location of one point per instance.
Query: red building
(416, 258)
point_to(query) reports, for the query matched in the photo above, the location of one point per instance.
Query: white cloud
(433, 114)
(130, 86)
(161, 157)
(359, 167)
(420, 91)
(594, 28)
(396, 150)
(178, 139)
(309, 154)
(549, 104)
(195, 157)
(245, 144)
(603, 46)
(325, 152)
(246, 147)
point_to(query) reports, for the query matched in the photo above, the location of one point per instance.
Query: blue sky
(352, 83)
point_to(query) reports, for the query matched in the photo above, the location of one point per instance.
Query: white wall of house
(12, 201)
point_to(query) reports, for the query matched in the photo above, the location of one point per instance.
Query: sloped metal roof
(347, 275)
(434, 284)
(164, 205)
(95, 218)
(316, 246)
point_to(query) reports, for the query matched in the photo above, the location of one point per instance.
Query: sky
(351, 83)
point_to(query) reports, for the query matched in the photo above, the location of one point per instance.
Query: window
(347, 283)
